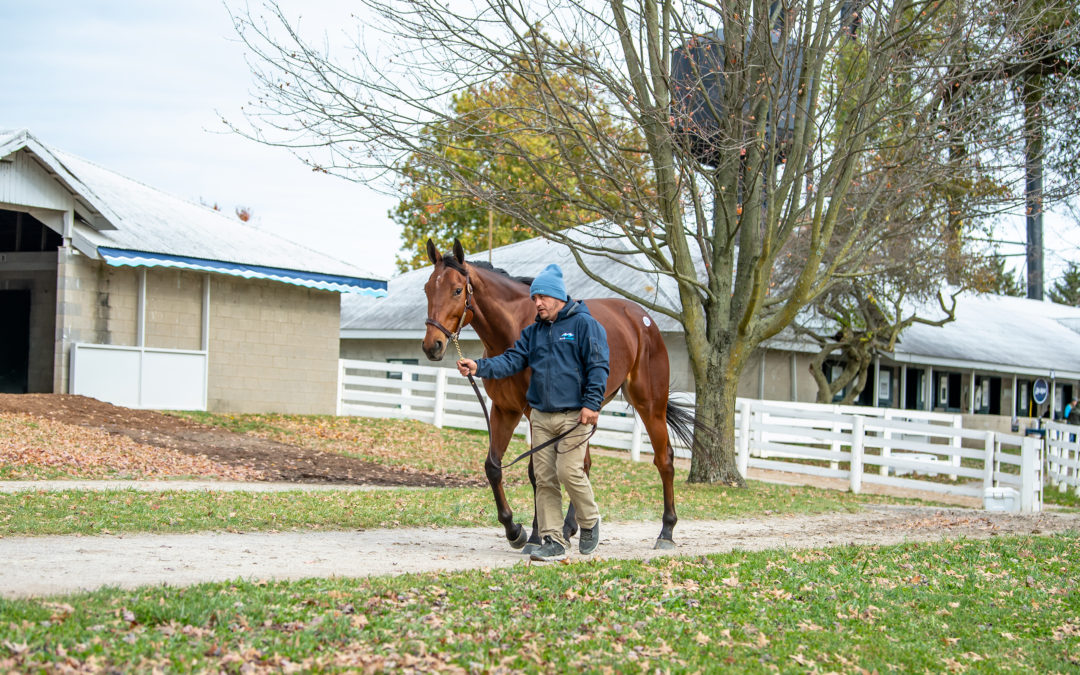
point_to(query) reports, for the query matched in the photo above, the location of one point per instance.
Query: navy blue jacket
(568, 357)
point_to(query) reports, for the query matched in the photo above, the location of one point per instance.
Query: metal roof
(140, 225)
(993, 332)
(403, 311)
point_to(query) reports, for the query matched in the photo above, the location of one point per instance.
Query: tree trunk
(715, 462)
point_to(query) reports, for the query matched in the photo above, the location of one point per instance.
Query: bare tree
(771, 130)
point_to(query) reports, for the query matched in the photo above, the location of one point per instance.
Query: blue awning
(327, 282)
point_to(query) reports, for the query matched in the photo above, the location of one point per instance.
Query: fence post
(1054, 454)
(856, 454)
(340, 407)
(988, 459)
(743, 459)
(836, 445)
(759, 434)
(1029, 476)
(954, 458)
(886, 449)
(635, 439)
(439, 406)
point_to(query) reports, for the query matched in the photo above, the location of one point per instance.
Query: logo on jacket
(568, 336)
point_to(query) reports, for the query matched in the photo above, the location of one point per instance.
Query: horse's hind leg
(534, 536)
(664, 460)
(653, 412)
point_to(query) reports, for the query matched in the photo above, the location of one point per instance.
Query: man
(568, 352)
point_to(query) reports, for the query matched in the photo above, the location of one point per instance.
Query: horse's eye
(457, 291)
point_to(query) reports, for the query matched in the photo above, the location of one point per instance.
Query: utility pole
(1033, 186)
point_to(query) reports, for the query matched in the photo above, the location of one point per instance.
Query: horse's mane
(450, 261)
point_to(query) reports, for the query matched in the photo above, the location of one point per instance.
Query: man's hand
(590, 417)
(466, 367)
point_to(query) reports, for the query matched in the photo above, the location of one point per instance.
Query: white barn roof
(124, 222)
(402, 312)
(994, 332)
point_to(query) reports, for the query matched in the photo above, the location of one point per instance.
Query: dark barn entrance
(14, 341)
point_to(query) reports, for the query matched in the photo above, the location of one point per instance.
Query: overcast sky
(140, 86)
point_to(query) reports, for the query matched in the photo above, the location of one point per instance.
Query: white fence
(904, 448)
(1063, 456)
(140, 377)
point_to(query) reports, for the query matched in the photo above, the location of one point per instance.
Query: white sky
(139, 87)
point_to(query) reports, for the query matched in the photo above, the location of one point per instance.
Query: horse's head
(448, 299)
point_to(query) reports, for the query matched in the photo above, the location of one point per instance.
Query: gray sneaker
(549, 551)
(590, 537)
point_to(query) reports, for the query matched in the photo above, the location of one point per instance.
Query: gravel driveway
(36, 566)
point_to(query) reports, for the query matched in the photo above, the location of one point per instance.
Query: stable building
(116, 290)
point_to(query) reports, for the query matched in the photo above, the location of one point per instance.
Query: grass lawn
(626, 490)
(1007, 604)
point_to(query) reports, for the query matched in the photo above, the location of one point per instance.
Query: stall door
(14, 341)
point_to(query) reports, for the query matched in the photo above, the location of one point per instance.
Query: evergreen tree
(1066, 290)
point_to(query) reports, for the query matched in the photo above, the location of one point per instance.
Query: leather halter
(453, 335)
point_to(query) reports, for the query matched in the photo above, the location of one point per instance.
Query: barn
(113, 289)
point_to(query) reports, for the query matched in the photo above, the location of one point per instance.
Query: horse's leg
(664, 459)
(534, 536)
(652, 408)
(502, 429)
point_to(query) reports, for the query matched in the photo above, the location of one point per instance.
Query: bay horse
(498, 307)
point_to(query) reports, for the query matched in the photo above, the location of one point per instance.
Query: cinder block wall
(174, 309)
(273, 347)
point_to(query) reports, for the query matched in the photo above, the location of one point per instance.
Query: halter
(461, 320)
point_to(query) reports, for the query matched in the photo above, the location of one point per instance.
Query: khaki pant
(561, 463)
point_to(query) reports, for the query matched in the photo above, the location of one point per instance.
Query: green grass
(1004, 605)
(624, 490)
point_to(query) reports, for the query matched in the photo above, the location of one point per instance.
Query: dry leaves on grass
(394, 442)
(29, 444)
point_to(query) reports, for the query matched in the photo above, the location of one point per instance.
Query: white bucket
(1001, 499)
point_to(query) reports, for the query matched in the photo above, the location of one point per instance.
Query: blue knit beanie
(550, 283)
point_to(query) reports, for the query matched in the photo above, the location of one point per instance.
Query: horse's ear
(459, 252)
(433, 253)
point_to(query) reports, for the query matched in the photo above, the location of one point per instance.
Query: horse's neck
(500, 311)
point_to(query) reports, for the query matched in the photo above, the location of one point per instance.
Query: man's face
(547, 307)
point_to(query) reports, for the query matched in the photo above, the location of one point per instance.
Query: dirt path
(35, 566)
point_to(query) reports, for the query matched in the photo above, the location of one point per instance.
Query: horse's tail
(685, 426)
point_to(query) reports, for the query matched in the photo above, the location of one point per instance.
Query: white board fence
(1063, 456)
(903, 448)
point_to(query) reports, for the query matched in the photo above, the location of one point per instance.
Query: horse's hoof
(664, 544)
(568, 532)
(520, 539)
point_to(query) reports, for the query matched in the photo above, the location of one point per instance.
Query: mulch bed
(277, 461)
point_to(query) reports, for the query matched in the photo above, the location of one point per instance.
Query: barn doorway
(14, 341)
